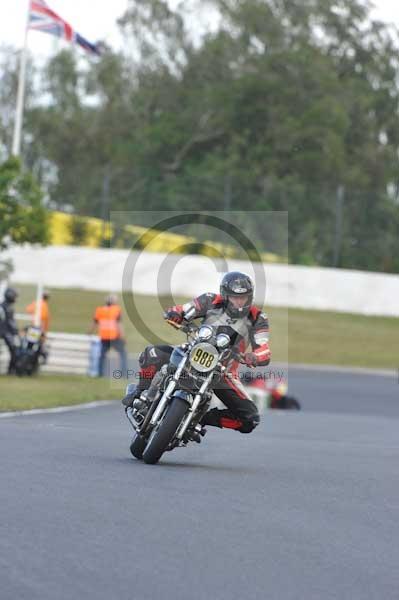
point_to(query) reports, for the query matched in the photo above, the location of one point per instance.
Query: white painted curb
(56, 409)
(349, 370)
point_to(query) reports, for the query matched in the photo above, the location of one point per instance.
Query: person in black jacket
(8, 326)
(232, 312)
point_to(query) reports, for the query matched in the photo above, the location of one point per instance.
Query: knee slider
(148, 357)
(250, 424)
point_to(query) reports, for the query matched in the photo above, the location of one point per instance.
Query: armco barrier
(68, 353)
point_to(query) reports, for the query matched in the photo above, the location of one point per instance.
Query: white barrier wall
(286, 285)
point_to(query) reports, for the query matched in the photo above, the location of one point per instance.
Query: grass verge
(45, 391)
(297, 336)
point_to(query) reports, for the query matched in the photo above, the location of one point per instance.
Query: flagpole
(39, 299)
(16, 142)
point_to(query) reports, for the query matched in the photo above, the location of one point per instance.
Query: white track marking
(55, 409)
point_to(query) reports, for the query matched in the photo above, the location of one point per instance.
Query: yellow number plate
(203, 357)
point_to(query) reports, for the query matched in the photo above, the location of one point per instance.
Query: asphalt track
(306, 507)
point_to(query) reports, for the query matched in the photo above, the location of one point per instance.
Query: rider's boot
(212, 418)
(132, 392)
(224, 419)
(198, 432)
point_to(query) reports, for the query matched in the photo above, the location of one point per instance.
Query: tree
(22, 216)
(282, 105)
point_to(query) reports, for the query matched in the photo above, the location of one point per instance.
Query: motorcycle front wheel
(164, 433)
(137, 446)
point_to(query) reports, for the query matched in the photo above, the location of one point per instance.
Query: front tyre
(164, 434)
(137, 446)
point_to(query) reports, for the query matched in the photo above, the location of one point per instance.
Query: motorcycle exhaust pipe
(129, 416)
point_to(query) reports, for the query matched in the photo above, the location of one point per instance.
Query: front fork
(170, 388)
(193, 408)
(165, 399)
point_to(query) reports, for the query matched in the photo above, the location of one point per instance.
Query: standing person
(8, 326)
(107, 324)
(44, 311)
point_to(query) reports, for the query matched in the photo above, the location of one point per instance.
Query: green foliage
(275, 110)
(22, 216)
(79, 229)
(5, 269)
(9, 69)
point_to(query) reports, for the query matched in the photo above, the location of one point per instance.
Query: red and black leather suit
(250, 331)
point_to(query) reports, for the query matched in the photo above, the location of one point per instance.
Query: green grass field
(305, 336)
(44, 391)
(297, 336)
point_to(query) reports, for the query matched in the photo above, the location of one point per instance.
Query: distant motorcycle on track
(271, 395)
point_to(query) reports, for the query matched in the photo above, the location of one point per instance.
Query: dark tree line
(291, 105)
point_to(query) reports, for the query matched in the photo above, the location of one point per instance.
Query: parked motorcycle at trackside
(168, 415)
(30, 351)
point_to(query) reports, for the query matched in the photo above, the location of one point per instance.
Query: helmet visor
(239, 301)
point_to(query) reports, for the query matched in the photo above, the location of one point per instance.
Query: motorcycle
(30, 353)
(273, 396)
(168, 415)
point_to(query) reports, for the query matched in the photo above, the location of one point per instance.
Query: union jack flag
(42, 18)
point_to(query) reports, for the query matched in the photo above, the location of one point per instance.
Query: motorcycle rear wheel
(164, 434)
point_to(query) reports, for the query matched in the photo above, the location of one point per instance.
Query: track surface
(306, 507)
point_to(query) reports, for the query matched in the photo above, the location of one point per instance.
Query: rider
(8, 327)
(233, 313)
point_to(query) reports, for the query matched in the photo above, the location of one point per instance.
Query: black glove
(174, 314)
(250, 359)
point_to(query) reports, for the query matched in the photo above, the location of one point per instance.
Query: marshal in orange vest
(44, 312)
(107, 318)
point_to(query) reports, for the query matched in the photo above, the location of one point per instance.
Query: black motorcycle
(168, 415)
(30, 352)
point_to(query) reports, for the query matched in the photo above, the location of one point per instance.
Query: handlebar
(238, 356)
(186, 326)
(175, 325)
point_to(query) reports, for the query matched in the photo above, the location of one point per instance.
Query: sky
(96, 20)
(93, 19)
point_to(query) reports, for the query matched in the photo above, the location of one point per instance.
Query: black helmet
(237, 284)
(10, 295)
